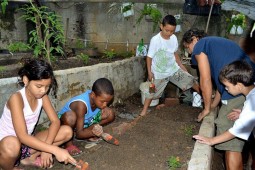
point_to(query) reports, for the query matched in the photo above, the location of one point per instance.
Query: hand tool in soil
(110, 139)
(81, 165)
(152, 88)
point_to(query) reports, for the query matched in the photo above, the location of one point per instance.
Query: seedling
(189, 130)
(84, 58)
(109, 53)
(174, 162)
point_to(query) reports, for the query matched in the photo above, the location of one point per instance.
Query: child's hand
(234, 115)
(97, 130)
(62, 155)
(202, 139)
(46, 160)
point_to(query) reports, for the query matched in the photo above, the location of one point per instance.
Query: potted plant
(178, 22)
(151, 13)
(127, 9)
(237, 24)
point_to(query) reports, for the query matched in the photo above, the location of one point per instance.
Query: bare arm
(81, 109)
(226, 136)
(178, 61)
(216, 100)
(148, 63)
(54, 120)
(205, 83)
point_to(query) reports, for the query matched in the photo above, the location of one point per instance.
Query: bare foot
(33, 162)
(143, 113)
(17, 168)
(158, 107)
(201, 116)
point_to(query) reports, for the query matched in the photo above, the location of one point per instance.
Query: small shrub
(109, 53)
(2, 70)
(83, 57)
(189, 130)
(174, 162)
(127, 54)
(18, 47)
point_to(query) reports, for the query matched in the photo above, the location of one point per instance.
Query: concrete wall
(126, 76)
(93, 22)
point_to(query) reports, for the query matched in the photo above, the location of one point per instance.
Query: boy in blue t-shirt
(88, 112)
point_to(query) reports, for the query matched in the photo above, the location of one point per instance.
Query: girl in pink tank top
(19, 118)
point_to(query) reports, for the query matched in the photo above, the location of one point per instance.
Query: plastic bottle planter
(129, 12)
(236, 30)
(178, 28)
(178, 21)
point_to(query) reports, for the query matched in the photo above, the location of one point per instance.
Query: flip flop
(73, 150)
(110, 139)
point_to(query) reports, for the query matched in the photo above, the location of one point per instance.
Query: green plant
(4, 3)
(153, 12)
(83, 57)
(178, 19)
(48, 36)
(174, 162)
(2, 70)
(18, 47)
(189, 130)
(79, 44)
(126, 54)
(236, 20)
(109, 53)
(127, 7)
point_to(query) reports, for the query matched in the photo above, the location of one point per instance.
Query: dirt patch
(146, 143)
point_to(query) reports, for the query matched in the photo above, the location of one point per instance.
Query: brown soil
(146, 143)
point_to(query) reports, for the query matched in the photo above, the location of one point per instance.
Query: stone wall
(126, 76)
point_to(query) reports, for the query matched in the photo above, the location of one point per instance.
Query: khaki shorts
(180, 78)
(223, 124)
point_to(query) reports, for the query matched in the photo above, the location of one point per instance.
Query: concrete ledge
(201, 158)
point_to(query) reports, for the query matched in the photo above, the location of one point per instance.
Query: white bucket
(144, 87)
(197, 100)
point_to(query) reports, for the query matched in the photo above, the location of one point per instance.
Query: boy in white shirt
(164, 64)
(238, 79)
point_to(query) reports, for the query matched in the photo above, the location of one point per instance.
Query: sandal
(73, 150)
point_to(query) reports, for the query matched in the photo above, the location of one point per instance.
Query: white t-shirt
(162, 53)
(243, 126)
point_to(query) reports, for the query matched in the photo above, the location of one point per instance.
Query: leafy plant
(174, 162)
(127, 7)
(4, 3)
(109, 53)
(79, 44)
(83, 57)
(18, 47)
(236, 20)
(127, 54)
(2, 70)
(189, 130)
(48, 28)
(153, 12)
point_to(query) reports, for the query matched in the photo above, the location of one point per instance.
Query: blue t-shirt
(91, 117)
(220, 52)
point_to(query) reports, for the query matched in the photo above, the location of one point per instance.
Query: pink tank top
(31, 118)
